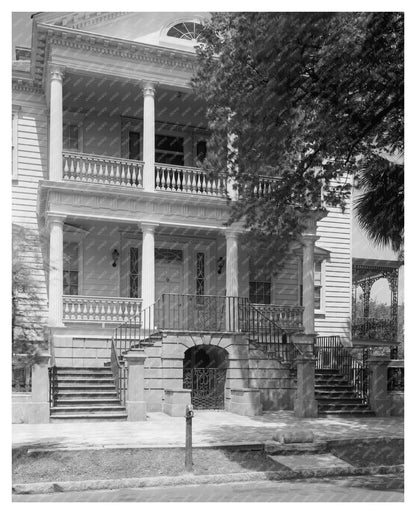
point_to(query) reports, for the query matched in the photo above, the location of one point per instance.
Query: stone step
(334, 387)
(84, 379)
(70, 395)
(87, 387)
(345, 413)
(87, 409)
(346, 406)
(338, 400)
(87, 418)
(87, 401)
(61, 370)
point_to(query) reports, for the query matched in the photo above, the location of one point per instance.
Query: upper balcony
(140, 137)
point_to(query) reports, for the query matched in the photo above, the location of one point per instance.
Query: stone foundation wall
(84, 352)
(273, 379)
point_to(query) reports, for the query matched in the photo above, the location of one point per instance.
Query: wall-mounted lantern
(115, 255)
(220, 265)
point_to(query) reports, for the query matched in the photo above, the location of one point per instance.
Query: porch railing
(188, 180)
(99, 309)
(202, 313)
(102, 170)
(331, 354)
(119, 371)
(268, 334)
(374, 329)
(287, 317)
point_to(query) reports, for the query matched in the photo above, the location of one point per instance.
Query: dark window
(71, 137)
(169, 150)
(134, 272)
(134, 146)
(168, 255)
(200, 274)
(201, 151)
(71, 264)
(186, 30)
(260, 292)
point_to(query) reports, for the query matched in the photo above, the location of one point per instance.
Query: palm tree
(380, 207)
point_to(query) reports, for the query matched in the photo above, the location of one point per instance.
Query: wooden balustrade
(286, 316)
(188, 180)
(102, 170)
(99, 309)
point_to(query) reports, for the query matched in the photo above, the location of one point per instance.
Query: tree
(28, 305)
(315, 98)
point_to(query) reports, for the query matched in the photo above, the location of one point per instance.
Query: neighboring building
(108, 137)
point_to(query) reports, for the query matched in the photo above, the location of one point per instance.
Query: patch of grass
(132, 463)
(371, 453)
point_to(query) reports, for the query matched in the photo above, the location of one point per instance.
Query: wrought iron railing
(395, 377)
(266, 333)
(374, 329)
(52, 371)
(202, 313)
(331, 354)
(119, 371)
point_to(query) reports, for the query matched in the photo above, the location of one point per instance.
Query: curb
(124, 483)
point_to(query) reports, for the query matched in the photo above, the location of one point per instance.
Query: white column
(55, 122)
(56, 258)
(149, 137)
(231, 263)
(308, 242)
(148, 263)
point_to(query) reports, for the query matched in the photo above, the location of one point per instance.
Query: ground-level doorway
(204, 372)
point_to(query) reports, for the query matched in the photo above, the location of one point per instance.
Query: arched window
(186, 30)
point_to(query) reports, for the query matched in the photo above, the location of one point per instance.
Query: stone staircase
(86, 395)
(336, 396)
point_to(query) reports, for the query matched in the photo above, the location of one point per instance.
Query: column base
(176, 401)
(305, 408)
(136, 411)
(39, 412)
(381, 407)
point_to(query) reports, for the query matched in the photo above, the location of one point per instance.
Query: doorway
(204, 372)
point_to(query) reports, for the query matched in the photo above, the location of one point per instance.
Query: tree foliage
(315, 98)
(28, 305)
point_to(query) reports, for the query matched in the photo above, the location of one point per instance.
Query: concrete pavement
(210, 428)
(379, 488)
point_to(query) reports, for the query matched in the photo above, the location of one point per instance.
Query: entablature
(103, 202)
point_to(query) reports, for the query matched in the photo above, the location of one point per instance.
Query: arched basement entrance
(204, 372)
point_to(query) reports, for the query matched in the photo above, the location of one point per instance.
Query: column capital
(148, 226)
(232, 232)
(55, 219)
(148, 89)
(309, 239)
(56, 71)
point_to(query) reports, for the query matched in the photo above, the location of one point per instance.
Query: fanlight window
(186, 30)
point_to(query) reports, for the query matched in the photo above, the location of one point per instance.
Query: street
(378, 488)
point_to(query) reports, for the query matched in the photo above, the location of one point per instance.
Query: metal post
(188, 444)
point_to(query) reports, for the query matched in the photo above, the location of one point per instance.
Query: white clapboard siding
(31, 165)
(285, 288)
(100, 278)
(335, 236)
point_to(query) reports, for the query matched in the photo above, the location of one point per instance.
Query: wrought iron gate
(207, 385)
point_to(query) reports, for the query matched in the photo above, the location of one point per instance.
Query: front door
(169, 288)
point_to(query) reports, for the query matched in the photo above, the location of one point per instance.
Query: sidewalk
(210, 428)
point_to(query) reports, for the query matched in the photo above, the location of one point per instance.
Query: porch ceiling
(112, 97)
